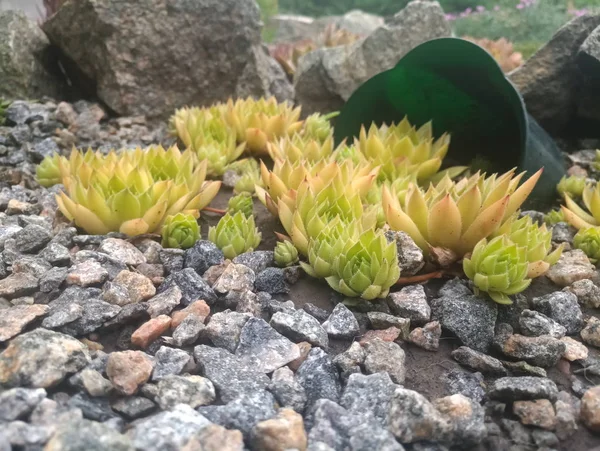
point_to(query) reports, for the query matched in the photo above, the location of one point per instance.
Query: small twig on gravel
(214, 210)
(422, 277)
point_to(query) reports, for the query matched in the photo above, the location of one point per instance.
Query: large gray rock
(292, 27)
(141, 64)
(327, 77)
(24, 58)
(549, 80)
(588, 60)
(355, 21)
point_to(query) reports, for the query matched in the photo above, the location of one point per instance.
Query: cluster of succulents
(288, 54)
(334, 203)
(502, 50)
(132, 191)
(572, 186)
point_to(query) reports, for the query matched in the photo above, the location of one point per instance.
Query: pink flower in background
(480, 9)
(497, 8)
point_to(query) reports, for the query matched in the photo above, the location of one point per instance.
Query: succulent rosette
(538, 242)
(301, 148)
(235, 234)
(499, 268)
(572, 185)
(48, 173)
(241, 202)
(588, 240)
(367, 269)
(318, 126)
(180, 231)
(134, 191)
(285, 254)
(455, 216)
(554, 217)
(582, 218)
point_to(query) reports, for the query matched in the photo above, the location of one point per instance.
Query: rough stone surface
(465, 417)
(14, 320)
(341, 323)
(24, 71)
(287, 390)
(428, 336)
(139, 287)
(170, 361)
(230, 376)
(243, 413)
(167, 430)
(90, 435)
(87, 273)
(272, 281)
(235, 278)
(215, 438)
(369, 395)
(202, 256)
(413, 418)
(165, 302)
(133, 407)
(122, 251)
(224, 329)
(572, 266)
(549, 80)
(285, 431)
(258, 261)
(588, 293)
(128, 370)
(544, 351)
(411, 303)
(467, 384)
(563, 308)
(193, 287)
(410, 256)
(591, 332)
(16, 285)
(470, 318)
(574, 350)
(534, 324)
(188, 331)
(523, 388)
(263, 348)
(590, 408)
(382, 356)
(300, 326)
(41, 358)
(17, 403)
(538, 413)
(337, 428)
(247, 67)
(194, 391)
(350, 360)
(319, 377)
(327, 77)
(198, 308)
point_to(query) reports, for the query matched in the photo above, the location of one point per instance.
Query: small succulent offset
(242, 202)
(538, 242)
(579, 217)
(47, 173)
(554, 217)
(588, 240)
(180, 231)
(573, 186)
(499, 268)
(235, 234)
(367, 269)
(285, 254)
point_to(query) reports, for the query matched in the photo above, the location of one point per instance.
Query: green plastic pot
(460, 88)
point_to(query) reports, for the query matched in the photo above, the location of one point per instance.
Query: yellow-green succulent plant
(368, 268)
(579, 217)
(48, 171)
(299, 148)
(588, 240)
(455, 216)
(554, 217)
(499, 268)
(235, 234)
(538, 242)
(180, 231)
(318, 126)
(572, 185)
(241, 202)
(285, 254)
(134, 191)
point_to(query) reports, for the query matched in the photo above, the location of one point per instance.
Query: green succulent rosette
(588, 240)
(572, 185)
(554, 217)
(235, 234)
(241, 202)
(48, 173)
(318, 126)
(538, 242)
(368, 268)
(285, 254)
(180, 231)
(499, 268)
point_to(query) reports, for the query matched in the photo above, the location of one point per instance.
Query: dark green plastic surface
(460, 87)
